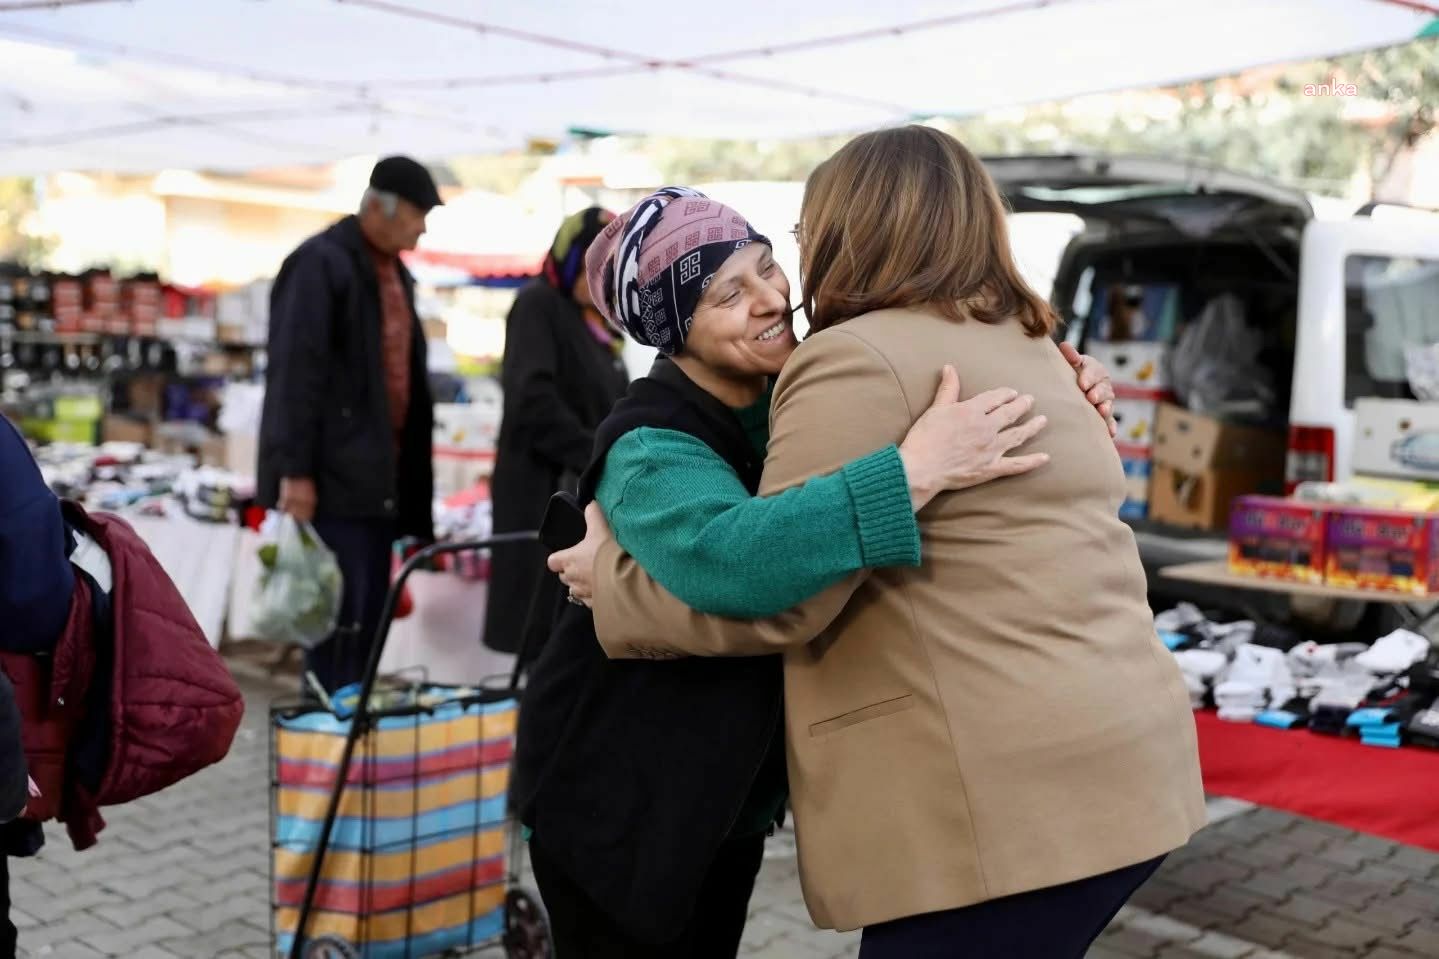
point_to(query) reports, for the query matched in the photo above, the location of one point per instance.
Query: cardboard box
(1397, 438)
(1388, 550)
(145, 396)
(1198, 500)
(1133, 510)
(125, 429)
(242, 453)
(1138, 370)
(1136, 476)
(1136, 419)
(1194, 443)
(213, 451)
(1278, 539)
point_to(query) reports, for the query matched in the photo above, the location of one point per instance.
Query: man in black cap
(345, 439)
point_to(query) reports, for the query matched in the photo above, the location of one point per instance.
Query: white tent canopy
(137, 85)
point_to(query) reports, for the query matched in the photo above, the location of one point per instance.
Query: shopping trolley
(390, 830)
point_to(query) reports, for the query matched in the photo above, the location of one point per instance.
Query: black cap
(408, 180)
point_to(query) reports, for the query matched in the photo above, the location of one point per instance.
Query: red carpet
(1392, 793)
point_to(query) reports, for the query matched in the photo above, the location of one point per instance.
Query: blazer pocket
(862, 715)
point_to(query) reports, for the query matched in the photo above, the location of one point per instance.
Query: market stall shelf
(1217, 573)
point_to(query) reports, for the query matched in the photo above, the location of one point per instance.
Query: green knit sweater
(679, 509)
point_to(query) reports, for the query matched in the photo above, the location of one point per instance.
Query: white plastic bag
(1216, 368)
(1422, 365)
(297, 597)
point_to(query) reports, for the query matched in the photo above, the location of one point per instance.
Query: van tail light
(1311, 456)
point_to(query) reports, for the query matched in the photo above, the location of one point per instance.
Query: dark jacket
(632, 773)
(35, 575)
(14, 792)
(134, 669)
(326, 412)
(559, 383)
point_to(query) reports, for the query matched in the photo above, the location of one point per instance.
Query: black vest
(632, 772)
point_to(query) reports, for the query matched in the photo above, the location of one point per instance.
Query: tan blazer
(1002, 718)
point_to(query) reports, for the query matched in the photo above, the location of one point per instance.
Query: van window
(1390, 303)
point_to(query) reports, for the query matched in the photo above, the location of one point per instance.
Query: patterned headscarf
(650, 266)
(566, 258)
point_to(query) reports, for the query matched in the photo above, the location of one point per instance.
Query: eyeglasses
(797, 231)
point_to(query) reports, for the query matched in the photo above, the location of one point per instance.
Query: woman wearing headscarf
(561, 373)
(650, 786)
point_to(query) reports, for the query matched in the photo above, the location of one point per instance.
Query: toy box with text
(1278, 539)
(1388, 550)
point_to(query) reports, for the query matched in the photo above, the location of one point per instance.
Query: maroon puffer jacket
(174, 707)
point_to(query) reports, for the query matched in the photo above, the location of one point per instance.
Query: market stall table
(1386, 792)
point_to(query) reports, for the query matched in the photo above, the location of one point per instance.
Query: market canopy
(139, 85)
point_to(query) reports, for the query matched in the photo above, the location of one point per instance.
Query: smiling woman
(743, 328)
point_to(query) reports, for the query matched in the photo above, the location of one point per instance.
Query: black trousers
(8, 933)
(1061, 922)
(362, 547)
(582, 931)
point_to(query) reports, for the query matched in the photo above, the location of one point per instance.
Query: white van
(1334, 302)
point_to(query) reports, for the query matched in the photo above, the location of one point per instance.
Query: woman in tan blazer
(988, 753)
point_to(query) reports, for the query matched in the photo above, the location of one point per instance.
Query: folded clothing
(1238, 714)
(1283, 718)
(1282, 638)
(1226, 638)
(1388, 735)
(1395, 653)
(1424, 675)
(1310, 659)
(1258, 675)
(1329, 720)
(1423, 729)
(1346, 689)
(1198, 690)
(1179, 618)
(1202, 663)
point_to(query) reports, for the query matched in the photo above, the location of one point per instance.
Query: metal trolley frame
(525, 930)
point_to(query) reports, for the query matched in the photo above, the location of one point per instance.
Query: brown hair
(909, 217)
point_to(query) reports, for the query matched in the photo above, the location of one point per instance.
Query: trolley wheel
(527, 928)
(329, 947)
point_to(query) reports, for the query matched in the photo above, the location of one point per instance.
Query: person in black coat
(561, 373)
(346, 432)
(36, 581)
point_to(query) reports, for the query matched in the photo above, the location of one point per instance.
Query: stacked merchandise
(117, 477)
(1278, 539)
(1183, 391)
(1385, 694)
(1132, 326)
(242, 315)
(465, 438)
(95, 302)
(1353, 536)
(25, 301)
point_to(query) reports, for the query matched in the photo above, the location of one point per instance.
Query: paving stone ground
(185, 875)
